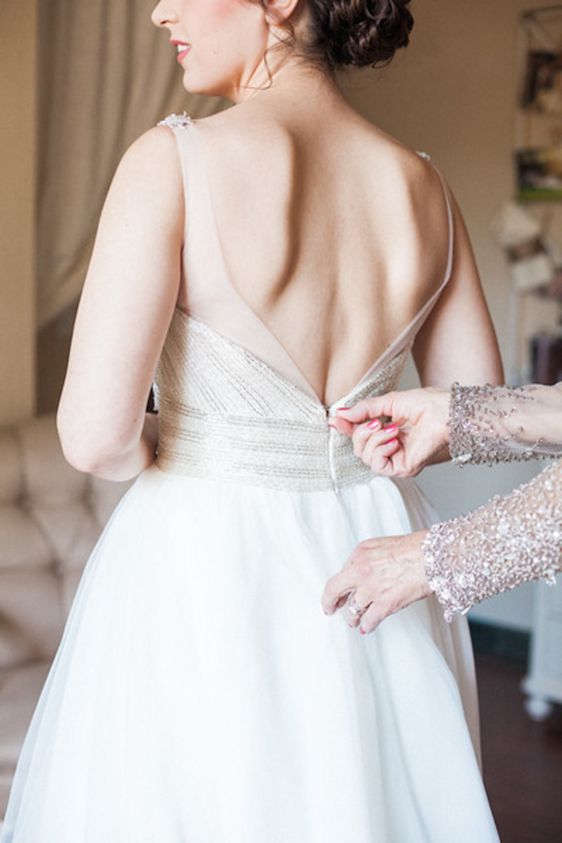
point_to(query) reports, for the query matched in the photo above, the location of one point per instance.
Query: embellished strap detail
(176, 121)
(425, 155)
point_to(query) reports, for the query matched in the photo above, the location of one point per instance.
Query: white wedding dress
(199, 693)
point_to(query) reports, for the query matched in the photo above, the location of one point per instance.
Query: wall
(453, 93)
(18, 130)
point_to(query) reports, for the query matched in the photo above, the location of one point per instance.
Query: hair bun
(363, 32)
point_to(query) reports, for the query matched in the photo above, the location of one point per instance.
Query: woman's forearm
(512, 539)
(126, 465)
(508, 541)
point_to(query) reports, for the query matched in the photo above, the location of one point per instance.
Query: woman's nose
(161, 14)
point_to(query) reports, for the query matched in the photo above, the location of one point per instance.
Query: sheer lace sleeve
(490, 424)
(506, 542)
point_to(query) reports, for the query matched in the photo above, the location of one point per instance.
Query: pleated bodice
(225, 413)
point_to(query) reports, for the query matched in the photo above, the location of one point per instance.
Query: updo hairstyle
(351, 33)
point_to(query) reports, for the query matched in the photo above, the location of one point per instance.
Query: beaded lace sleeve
(508, 541)
(490, 424)
(511, 539)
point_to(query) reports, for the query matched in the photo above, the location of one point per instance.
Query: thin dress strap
(174, 122)
(408, 333)
(211, 297)
(450, 219)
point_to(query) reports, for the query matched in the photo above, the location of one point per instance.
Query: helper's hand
(399, 433)
(381, 576)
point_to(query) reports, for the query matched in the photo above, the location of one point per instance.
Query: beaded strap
(175, 121)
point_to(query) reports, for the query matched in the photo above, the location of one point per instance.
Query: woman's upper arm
(457, 341)
(127, 301)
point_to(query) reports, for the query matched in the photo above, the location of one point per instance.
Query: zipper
(331, 455)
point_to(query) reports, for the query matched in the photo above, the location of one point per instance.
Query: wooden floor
(522, 759)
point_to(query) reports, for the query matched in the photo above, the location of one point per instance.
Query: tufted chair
(50, 518)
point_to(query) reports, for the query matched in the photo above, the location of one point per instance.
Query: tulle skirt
(200, 694)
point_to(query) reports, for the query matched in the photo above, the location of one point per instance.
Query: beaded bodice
(233, 403)
(225, 413)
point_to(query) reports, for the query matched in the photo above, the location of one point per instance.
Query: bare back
(333, 239)
(311, 254)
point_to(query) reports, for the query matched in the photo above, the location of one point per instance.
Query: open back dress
(199, 694)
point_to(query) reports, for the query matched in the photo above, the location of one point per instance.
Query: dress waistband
(278, 453)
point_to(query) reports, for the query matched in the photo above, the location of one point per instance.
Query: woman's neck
(291, 80)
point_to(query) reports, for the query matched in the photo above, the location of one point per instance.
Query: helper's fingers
(372, 617)
(342, 426)
(364, 433)
(368, 408)
(362, 598)
(379, 455)
(337, 588)
(368, 438)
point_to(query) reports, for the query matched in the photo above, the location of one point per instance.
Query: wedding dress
(199, 693)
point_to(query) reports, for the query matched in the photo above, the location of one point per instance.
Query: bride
(262, 267)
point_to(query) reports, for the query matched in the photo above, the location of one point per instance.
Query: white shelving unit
(543, 682)
(541, 29)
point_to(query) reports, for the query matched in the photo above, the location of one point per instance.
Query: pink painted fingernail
(391, 428)
(343, 408)
(362, 631)
(374, 424)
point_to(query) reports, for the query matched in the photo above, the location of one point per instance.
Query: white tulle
(200, 694)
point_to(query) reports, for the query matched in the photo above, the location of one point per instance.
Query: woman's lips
(182, 48)
(183, 53)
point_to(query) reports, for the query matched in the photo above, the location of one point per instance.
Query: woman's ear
(280, 10)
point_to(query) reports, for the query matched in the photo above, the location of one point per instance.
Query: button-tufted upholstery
(50, 518)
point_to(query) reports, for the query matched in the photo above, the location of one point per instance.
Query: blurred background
(480, 89)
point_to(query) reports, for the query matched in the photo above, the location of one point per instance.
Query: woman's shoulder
(149, 174)
(245, 127)
(410, 177)
(416, 166)
(155, 145)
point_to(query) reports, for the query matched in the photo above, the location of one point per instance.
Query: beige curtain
(106, 76)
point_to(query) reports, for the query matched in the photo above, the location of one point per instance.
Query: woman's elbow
(89, 458)
(84, 450)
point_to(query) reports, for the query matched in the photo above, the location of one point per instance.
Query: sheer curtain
(106, 74)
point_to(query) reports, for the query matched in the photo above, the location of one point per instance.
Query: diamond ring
(354, 608)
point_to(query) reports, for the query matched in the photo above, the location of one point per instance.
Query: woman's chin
(194, 86)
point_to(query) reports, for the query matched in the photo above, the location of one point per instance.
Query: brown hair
(352, 33)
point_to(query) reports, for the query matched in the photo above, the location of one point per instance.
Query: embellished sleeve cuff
(492, 424)
(508, 541)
